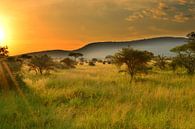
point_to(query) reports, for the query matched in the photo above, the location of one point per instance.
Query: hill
(159, 46)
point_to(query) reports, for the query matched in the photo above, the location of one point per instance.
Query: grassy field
(100, 98)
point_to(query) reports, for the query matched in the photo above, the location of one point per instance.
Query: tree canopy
(186, 54)
(42, 63)
(75, 55)
(135, 60)
(3, 52)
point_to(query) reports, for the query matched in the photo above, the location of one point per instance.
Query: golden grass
(99, 97)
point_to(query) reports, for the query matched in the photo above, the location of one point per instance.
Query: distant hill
(159, 46)
(52, 53)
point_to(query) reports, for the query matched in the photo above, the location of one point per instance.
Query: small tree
(69, 63)
(42, 63)
(75, 55)
(135, 60)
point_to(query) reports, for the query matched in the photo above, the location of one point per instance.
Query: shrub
(81, 63)
(94, 60)
(91, 63)
(109, 59)
(99, 61)
(15, 65)
(68, 63)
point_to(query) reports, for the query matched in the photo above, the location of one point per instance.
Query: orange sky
(31, 25)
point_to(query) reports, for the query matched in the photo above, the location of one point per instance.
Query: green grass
(100, 98)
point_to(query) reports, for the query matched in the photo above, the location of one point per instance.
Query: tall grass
(101, 98)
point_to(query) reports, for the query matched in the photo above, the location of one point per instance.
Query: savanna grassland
(100, 98)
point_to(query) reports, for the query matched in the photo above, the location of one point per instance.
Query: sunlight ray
(19, 90)
(4, 82)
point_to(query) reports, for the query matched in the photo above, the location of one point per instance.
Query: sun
(5, 31)
(2, 35)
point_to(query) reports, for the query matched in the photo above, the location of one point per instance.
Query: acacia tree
(41, 63)
(186, 54)
(75, 55)
(135, 60)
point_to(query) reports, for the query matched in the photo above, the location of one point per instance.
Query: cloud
(182, 2)
(181, 17)
(172, 11)
(153, 12)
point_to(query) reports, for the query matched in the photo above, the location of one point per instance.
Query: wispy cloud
(171, 11)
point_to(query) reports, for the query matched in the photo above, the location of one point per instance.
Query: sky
(34, 25)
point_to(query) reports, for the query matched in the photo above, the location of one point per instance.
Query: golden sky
(34, 25)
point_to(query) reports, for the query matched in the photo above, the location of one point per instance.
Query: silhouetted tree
(42, 63)
(75, 55)
(3, 52)
(135, 60)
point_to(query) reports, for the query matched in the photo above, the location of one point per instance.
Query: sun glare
(4, 30)
(2, 35)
